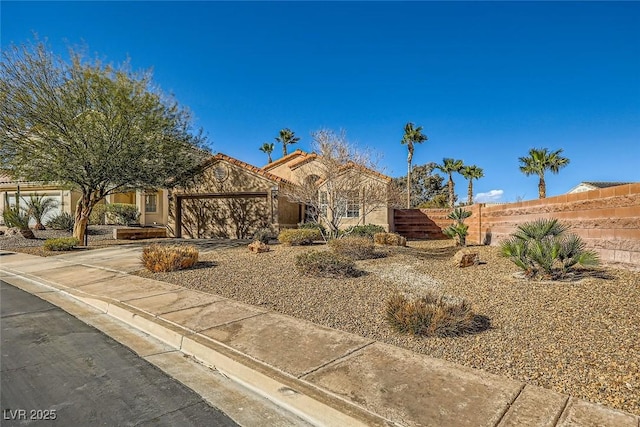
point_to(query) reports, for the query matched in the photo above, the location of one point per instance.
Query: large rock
(259, 247)
(466, 258)
(13, 231)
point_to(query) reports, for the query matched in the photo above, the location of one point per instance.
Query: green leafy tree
(412, 135)
(439, 201)
(286, 137)
(37, 207)
(470, 173)
(539, 161)
(267, 148)
(96, 128)
(426, 186)
(449, 166)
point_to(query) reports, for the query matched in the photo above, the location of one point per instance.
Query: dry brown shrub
(389, 239)
(354, 247)
(433, 315)
(326, 264)
(162, 258)
(299, 236)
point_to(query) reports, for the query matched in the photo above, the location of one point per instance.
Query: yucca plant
(458, 230)
(37, 207)
(544, 249)
(14, 217)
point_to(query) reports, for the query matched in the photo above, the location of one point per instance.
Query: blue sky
(486, 80)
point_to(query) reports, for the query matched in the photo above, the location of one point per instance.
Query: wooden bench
(135, 233)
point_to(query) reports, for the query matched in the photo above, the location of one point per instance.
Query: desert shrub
(161, 258)
(121, 213)
(389, 239)
(62, 221)
(37, 207)
(364, 230)
(14, 217)
(97, 216)
(61, 244)
(312, 225)
(458, 230)
(296, 236)
(432, 315)
(353, 247)
(543, 249)
(326, 264)
(263, 235)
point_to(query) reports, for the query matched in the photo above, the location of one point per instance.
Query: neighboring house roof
(246, 166)
(8, 181)
(602, 184)
(593, 185)
(284, 159)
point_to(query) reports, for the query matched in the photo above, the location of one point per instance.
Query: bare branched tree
(342, 183)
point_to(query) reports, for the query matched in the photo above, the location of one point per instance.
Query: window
(323, 202)
(350, 206)
(151, 202)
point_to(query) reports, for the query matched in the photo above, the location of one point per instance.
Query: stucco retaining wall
(607, 219)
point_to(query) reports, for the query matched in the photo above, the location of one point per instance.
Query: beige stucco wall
(66, 198)
(300, 172)
(227, 217)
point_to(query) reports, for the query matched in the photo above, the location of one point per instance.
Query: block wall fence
(607, 219)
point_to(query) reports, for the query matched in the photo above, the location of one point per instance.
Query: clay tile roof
(370, 171)
(246, 166)
(284, 159)
(302, 160)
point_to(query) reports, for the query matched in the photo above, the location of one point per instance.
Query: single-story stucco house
(227, 198)
(594, 185)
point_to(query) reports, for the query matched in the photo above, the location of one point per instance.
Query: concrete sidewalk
(326, 376)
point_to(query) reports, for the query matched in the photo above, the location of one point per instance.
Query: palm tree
(267, 148)
(37, 207)
(287, 137)
(471, 172)
(411, 136)
(538, 162)
(449, 166)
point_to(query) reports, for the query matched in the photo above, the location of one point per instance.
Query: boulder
(13, 231)
(466, 258)
(259, 247)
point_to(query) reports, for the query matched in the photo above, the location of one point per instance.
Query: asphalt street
(56, 370)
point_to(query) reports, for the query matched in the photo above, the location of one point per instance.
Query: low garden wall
(607, 219)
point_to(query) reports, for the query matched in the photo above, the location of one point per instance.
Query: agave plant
(37, 207)
(544, 249)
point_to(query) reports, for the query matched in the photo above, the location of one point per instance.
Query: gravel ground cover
(99, 236)
(577, 337)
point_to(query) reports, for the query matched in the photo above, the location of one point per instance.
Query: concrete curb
(309, 402)
(356, 382)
